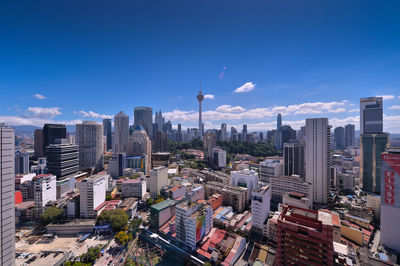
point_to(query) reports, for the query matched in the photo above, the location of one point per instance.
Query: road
(104, 260)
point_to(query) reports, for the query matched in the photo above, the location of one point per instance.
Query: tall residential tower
(7, 191)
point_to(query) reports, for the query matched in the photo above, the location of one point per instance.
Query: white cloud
(44, 112)
(40, 96)
(387, 97)
(209, 96)
(248, 86)
(355, 110)
(35, 121)
(226, 108)
(394, 107)
(228, 112)
(94, 115)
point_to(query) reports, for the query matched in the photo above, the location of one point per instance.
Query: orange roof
(335, 219)
(176, 188)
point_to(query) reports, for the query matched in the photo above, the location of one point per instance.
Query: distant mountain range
(29, 130)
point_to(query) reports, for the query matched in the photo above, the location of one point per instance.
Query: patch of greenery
(117, 218)
(91, 255)
(51, 215)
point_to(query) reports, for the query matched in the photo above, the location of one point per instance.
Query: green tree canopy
(117, 218)
(91, 255)
(149, 202)
(51, 215)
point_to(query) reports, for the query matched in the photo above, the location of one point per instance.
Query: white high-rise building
(245, 178)
(7, 192)
(318, 158)
(92, 194)
(158, 179)
(193, 221)
(45, 190)
(121, 133)
(89, 137)
(260, 207)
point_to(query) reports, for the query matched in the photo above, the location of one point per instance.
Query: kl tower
(200, 98)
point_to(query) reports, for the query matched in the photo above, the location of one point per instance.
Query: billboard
(200, 227)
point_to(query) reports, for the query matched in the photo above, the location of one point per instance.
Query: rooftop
(163, 204)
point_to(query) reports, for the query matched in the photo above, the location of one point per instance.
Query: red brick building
(304, 237)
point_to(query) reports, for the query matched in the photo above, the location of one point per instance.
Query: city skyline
(306, 61)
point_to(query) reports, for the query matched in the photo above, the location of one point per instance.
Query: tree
(149, 202)
(135, 224)
(117, 218)
(123, 238)
(51, 215)
(91, 255)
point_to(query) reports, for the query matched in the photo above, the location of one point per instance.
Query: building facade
(92, 194)
(390, 199)
(245, 178)
(318, 158)
(21, 163)
(293, 158)
(304, 237)
(260, 207)
(371, 148)
(45, 190)
(38, 143)
(144, 117)
(62, 159)
(51, 132)
(107, 133)
(371, 115)
(158, 179)
(89, 137)
(193, 221)
(121, 133)
(7, 195)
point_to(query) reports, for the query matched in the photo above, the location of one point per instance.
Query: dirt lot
(58, 244)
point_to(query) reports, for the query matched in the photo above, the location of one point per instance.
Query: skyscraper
(318, 160)
(390, 199)
(89, 137)
(371, 148)
(244, 133)
(21, 163)
(7, 192)
(160, 142)
(62, 159)
(279, 122)
(287, 134)
(38, 143)
(121, 133)
(209, 142)
(107, 133)
(371, 115)
(159, 120)
(200, 98)
(372, 143)
(51, 132)
(224, 132)
(144, 117)
(293, 158)
(339, 138)
(349, 135)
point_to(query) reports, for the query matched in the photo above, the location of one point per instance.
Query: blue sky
(91, 59)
